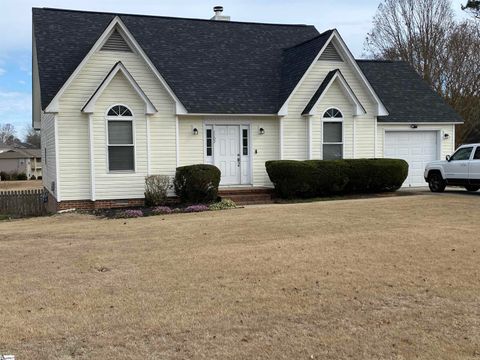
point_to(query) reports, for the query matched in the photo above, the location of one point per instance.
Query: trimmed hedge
(197, 183)
(312, 178)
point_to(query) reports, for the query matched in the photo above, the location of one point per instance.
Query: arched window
(119, 110)
(332, 134)
(333, 113)
(120, 139)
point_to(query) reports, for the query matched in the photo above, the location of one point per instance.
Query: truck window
(462, 154)
(477, 154)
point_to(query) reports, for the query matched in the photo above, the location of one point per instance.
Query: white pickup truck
(460, 169)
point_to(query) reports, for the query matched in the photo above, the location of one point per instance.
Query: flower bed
(164, 210)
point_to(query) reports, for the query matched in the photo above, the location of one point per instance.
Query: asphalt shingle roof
(224, 67)
(407, 97)
(212, 66)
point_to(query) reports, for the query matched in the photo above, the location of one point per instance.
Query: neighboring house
(118, 97)
(26, 161)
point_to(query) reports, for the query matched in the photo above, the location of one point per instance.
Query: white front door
(415, 147)
(227, 153)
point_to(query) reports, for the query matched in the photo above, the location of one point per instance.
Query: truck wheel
(436, 182)
(472, 187)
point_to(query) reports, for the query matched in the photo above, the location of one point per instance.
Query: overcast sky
(351, 17)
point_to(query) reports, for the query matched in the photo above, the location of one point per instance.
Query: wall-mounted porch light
(261, 131)
(446, 136)
(195, 131)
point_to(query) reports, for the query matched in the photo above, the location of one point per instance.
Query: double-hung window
(332, 134)
(121, 148)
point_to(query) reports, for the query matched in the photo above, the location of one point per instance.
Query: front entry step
(247, 196)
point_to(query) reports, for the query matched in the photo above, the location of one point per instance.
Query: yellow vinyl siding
(73, 127)
(191, 146)
(295, 126)
(47, 135)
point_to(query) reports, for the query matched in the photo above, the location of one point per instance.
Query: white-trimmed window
(121, 147)
(332, 134)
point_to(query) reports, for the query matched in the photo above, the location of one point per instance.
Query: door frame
(211, 159)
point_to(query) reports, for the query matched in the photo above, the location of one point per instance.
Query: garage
(415, 147)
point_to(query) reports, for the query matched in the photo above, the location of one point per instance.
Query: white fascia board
(89, 106)
(381, 109)
(393, 123)
(284, 109)
(347, 90)
(230, 115)
(116, 22)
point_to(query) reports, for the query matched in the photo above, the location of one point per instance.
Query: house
(118, 97)
(21, 161)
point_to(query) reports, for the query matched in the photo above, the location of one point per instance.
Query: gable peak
(116, 42)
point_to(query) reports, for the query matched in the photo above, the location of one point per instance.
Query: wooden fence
(20, 203)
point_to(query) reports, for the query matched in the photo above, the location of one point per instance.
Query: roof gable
(306, 54)
(331, 77)
(89, 106)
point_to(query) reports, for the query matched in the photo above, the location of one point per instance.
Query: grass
(21, 185)
(383, 278)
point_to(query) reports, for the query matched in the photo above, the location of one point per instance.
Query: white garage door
(416, 147)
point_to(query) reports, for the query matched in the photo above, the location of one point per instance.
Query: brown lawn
(21, 185)
(388, 278)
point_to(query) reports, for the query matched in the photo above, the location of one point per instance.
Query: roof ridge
(314, 38)
(169, 17)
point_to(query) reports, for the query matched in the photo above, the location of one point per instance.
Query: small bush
(39, 177)
(329, 177)
(21, 176)
(161, 210)
(33, 177)
(131, 213)
(223, 204)
(197, 183)
(196, 208)
(156, 189)
(4, 176)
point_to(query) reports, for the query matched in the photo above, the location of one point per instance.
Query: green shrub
(329, 177)
(4, 176)
(292, 178)
(197, 183)
(156, 189)
(21, 176)
(223, 204)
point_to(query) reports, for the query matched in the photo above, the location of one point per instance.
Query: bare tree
(416, 31)
(7, 135)
(33, 137)
(445, 53)
(473, 7)
(462, 78)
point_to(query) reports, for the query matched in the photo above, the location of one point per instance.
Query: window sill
(121, 172)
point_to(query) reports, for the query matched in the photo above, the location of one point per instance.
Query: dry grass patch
(21, 185)
(394, 278)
